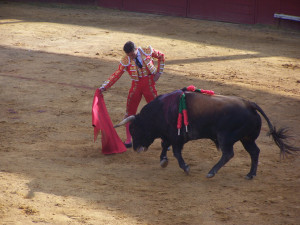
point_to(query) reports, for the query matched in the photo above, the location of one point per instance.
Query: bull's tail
(279, 136)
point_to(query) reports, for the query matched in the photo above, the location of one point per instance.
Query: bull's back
(218, 112)
(214, 104)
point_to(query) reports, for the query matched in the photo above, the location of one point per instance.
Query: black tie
(138, 63)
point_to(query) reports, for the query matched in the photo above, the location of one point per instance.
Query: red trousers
(144, 87)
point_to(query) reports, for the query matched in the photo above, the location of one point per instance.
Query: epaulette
(147, 51)
(125, 61)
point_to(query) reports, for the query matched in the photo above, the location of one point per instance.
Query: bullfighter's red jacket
(135, 73)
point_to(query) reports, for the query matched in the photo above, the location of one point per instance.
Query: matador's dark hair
(129, 47)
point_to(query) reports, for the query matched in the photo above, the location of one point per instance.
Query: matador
(139, 63)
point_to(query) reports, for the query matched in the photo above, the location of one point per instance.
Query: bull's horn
(126, 120)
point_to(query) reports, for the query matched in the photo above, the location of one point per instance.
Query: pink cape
(111, 142)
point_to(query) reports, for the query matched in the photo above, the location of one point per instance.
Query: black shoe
(129, 145)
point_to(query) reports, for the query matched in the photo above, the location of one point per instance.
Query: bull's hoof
(187, 170)
(249, 177)
(210, 175)
(164, 162)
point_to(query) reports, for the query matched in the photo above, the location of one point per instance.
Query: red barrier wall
(83, 2)
(290, 7)
(167, 7)
(235, 11)
(114, 4)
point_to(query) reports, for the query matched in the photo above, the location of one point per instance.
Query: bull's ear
(126, 120)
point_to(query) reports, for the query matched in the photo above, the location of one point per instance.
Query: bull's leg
(178, 156)
(227, 154)
(163, 156)
(253, 150)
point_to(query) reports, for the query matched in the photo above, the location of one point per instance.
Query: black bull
(223, 119)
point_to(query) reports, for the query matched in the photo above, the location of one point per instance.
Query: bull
(223, 119)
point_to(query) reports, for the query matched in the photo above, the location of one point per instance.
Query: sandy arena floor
(52, 59)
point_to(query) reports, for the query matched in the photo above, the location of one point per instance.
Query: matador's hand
(102, 89)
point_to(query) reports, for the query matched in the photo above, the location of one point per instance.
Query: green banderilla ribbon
(182, 113)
